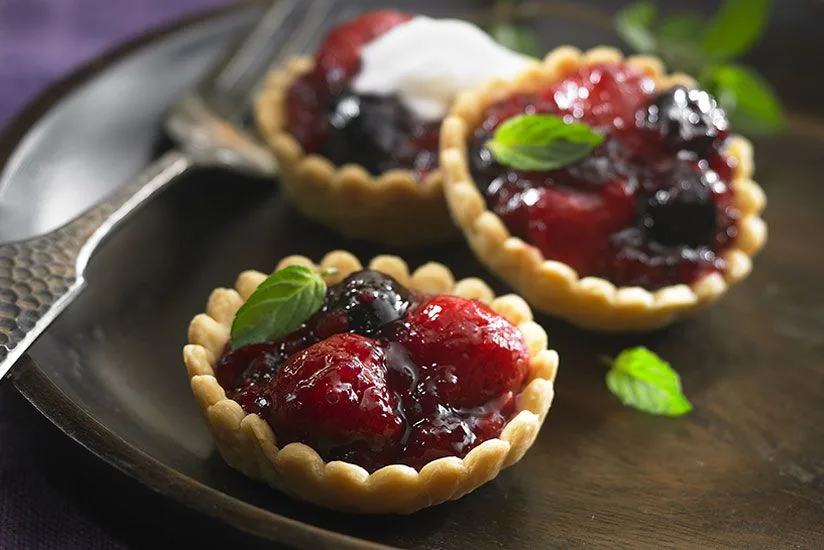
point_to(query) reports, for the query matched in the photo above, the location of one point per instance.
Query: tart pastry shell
(248, 443)
(393, 207)
(554, 287)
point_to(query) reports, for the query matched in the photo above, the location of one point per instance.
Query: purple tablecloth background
(41, 40)
(54, 494)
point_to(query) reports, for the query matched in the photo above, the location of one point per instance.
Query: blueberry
(372, 131)
(681, 212)
(369, 300)
(686, 120)
(482, 164)
(608, 162)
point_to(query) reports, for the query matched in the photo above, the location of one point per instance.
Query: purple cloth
(54, 494)
(41, 40)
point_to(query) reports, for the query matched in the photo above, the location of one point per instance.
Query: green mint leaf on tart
(734, 28)
(750, 102)
(280, 304)
(516, 38)
(634, 24)
(542, 142)
(642, 380)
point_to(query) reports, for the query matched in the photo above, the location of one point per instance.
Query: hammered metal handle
(39, 276)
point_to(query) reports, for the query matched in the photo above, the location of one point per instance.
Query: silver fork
(39, 277)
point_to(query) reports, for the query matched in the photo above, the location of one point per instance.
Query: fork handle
(39, 277)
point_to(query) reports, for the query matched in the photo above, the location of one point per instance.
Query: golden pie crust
(248, 444)
(553, 287)
(393, 208)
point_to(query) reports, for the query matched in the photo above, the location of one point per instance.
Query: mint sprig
(516, 38)
(642, 380)
(541, 142)
(280, 304)
(690, 44)
(634, 25)
(735, 28)
(746, 93)
(507, 33)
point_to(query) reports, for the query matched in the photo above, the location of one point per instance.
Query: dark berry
(376, 132)
(682, 212)
(251, 400)
(372, 131)
(686, 119)
(333, 395)
(482, 164)
(637, 261)
(445, 433)
(247, 364)
(367, 300)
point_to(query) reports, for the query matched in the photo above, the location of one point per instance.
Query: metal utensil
(39, 277)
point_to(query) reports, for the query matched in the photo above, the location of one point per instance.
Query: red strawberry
(333, 396)
(506, 109)
(467, 353)
(605, 96)
(339, 55)
(569, 225)
(306, 101)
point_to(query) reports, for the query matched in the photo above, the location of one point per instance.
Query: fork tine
(286, 28)
(208, 123)
(236, 61)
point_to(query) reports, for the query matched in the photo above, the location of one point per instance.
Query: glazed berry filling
(377, 132)
(652, 206)
(383, 375)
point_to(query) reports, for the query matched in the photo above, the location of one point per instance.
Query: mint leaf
(541, 142)
(679, 42)
(735, 28)
(642, 380)
(633, 24)
(750, 102)
(680, 29)
(280, 304)
(516, 38)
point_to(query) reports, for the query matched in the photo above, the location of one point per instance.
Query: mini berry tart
(605, 191)
(384, 392)
(356, 134)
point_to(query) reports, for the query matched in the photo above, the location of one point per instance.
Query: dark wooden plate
(746, 469)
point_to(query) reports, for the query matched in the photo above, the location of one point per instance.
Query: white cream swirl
(427, 62)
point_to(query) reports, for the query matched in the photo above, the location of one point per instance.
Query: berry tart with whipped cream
(383, 392)
(604, 190)
(356, 128)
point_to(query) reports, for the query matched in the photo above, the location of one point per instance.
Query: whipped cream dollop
(427, 62)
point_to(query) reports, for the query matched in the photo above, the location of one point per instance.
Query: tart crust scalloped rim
(248, 443)
(554, 287)
(393, 208)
